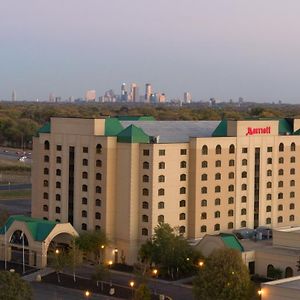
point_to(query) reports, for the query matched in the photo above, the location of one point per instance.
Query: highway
(11, 187)
(12, 154)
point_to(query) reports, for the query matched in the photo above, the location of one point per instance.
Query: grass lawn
(15, 194)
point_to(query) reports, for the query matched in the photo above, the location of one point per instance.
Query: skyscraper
(134, 93)
(13, 95)
(148, 92)
(124, 94)
(90, 95)
(187, 97)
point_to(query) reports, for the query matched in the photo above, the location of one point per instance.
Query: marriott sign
(258, 130)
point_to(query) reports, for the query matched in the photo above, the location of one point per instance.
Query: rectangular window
(146, 152)
(183, 151)
(58, 147)
(161, 152)
(244, 150)
(269, 149)
(85, 149)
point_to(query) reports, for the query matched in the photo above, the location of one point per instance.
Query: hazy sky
(213, 48)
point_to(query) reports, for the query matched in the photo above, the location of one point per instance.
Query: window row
(84, 149)
(161, 218)
(161, 192)
(218, 149)
(230, 188)
(162, 152)
(162, 178)
(145, 231)
(162, 165)
(161, 204)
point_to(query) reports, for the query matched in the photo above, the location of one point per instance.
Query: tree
(58, 260)
(75, 257)
(13, 287)
(142, 293)
(223, 276)
(101, 273)
(3, 217)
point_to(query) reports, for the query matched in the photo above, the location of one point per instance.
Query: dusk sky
(213, 48)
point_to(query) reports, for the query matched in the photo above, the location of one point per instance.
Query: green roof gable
(284, 127)
(221, 130)
(38, 228)
(112, 127)
(45, 129)
(133, 134)
(231, 241)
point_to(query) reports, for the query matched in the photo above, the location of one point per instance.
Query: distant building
(148, 92)
(51, 97)
(14, 96)
(90, 95)
(187, 97)
(124, 93)
(134, 93)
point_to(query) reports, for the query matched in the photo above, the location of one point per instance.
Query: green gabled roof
(38, 228)
(297, 132)
(231, 241)
(284, 127)
(221, 130)
(45, 129)
(136, 118)
(133, 134)
(112, 127)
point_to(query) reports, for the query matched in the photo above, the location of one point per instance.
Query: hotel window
(182, 203)
(98, 176)
(204, 150)
(161, 178)
(280, 172)
(244, 162)
(244, 199)
(204, 177)
(203, 216)
(145, 165)
(230, 225)
(204, 190)
(217, 227)
(281, 147)
(280, 219)
(268, 221)
(183, 164)
(46, 171)
(145, 192)
(280, 183)
(57, 220)
(182, 229)
(161, 192)
(203, 203)
(45, 207)
(231, 188)
(46, 158)
(161, 205)
(292, 218)
(204, 164)
(182, 216)
(83, 226)
(46, 196)
(161, 165)
(183, 151)
(268, 208)
(84, 188)
(145, 218)
(217, 214)
(218, 176)
(146, 152)
(182, 190)
(144, 231)
(182, 177)
(58, 160)
(85, 149)
(84, 214)
(231, 163)
(218, 149)
(231, 149)
(293, 147)
(269, 161)
(244, 187)
(292, 206)
(281, 160)
(98, 163)
(58, 185)
(292, 183)
(292, 194)
(98, 189)
(145, 205)
(145, 178)
(58, 147)
(57, 210)
(244, 174)
(269, 149)
(160, 219)
(269, 184)
(46, 145)
(280, 195)
(230, 213)
(217, 201)
(217, 189)
(230, 200)
(84, 175)
(292, 171)
(57, 197)
(280, 207)
(85, 162)
(84, 200)
(203, 228)
(98, 202)
(231, 175)
(269, 196)
(46, 183)
(243, 211)
(58, 172)
(293, 159)
(243, 224)
(244, 150)
(161, 152)
(218, 163)
(98, 148)
(97, 228)
(269, 172)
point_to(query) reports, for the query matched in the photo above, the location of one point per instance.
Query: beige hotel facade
(125, 175)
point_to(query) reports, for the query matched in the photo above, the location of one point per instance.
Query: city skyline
(221, 49)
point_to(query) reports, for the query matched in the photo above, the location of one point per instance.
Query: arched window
(268, 208)
(58, 160)
(83, 226)
(46, 171)
(57, 209)
(183, 164)
(280, 195)
(231, 175)
(292, 218)
(145, 231)
(293, 159)
(269, 196)
(161, 178)
(204, 150)
(161, 204)
(145, 178)
(243, 199)
(58, 172)
(217, 201)
(161, 219)
(145, 192)
(84, 188)
(203, 228)
(203, 203)
(85, 175)
(280, 183)
(217, 227)
(98, 202)
(218, 149)
(231, 188)
(280, 172)
(98, 189)
(161, 192)
(97, 228)
(46, 196)
(218, 176)
(46, 145)
(84, 200)
(280, 207)
(145, 218)
(98, 176)
(182, 177)
(230, 200)
(244, 187)
(58, 185)
(98, 148)
(145, 165)
(217, 189)
(204, 177)
(182, 203)
(281, 160)
(203, 216)
(230, 213)
(217, 214)
(244, 174)
(293, 147)
(161, 165)
(280, 219)
(269, 172)
(182, 216)
(269, 184)
(244, 162)
(84, 214)
(182, 190)
(145, 205)
(98, 163)
(204, 164)
(243, 211)
(292, 171)
(45, 207)
(281, 147)
(231, 163)
(231, 149)
(46, 183)
(270, 271)
(288, 272)
(269, 161)
(182, 229)
(243, 224)
(57, 197)
(230, 225)
(218, 163)
(268, 220)
(85, 162)
(46, 158)
(292, 206)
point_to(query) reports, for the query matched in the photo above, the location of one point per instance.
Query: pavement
(12, 187)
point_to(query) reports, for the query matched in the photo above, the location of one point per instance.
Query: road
(16, 207)
(14, 155)
(11, 187)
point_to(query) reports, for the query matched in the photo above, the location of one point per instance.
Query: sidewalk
(42, 272)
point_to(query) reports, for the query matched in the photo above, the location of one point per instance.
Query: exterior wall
(287, 238)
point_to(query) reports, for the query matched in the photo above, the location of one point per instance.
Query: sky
(213, 48)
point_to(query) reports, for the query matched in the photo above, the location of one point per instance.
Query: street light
(259, 292)
(131, 284)
(154, 272)
(57, 251)
(201, 263)
(87, 294)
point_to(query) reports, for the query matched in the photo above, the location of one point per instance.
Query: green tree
(75, 257)
(101, 274)
(13, 287)
(58, 260)
(142, 293)
(223, 276)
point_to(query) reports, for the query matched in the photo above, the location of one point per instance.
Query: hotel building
(125, 175)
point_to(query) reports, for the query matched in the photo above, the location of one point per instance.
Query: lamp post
(154, 273)
(87, 294)
(131, 284)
